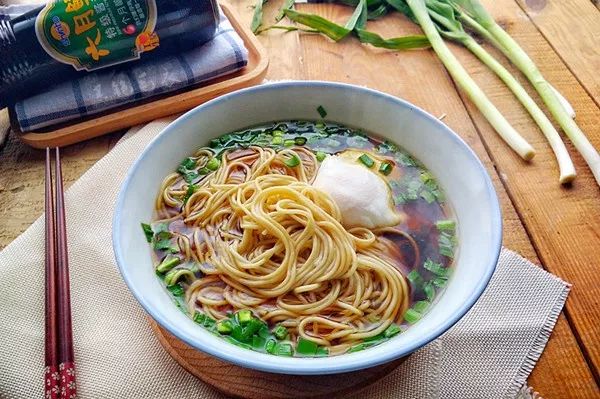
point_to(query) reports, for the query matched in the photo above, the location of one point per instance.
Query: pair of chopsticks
(59, 376)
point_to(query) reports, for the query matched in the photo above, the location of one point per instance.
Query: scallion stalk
(462, 78)
(513, 51)
(452, 29)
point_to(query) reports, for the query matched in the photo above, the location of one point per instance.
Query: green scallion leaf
(257, 16)
(287, 5)
(328, 28)
(396, 43)
(289, 143)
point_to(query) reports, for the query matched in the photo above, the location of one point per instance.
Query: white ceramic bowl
(466, 183)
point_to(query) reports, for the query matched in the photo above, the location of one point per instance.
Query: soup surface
(302, 238)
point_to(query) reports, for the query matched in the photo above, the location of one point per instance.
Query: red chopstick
(60, 361)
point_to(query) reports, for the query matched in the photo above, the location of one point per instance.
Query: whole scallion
(513, 51)
(464, 80)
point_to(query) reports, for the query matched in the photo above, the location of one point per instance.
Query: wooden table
(556, 227)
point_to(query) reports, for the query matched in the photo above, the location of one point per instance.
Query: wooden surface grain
(554, 226)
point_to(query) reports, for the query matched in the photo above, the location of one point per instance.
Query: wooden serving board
(112, 120)
(252, 384)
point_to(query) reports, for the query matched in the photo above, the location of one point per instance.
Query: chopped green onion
(280, 332)
(445, 225)
(440, 282)
(186, 164)
(214, 143)
(237, 343)
(168, 263)
(204, 171)
(321, 111)
(258, 342)
(173, 275)
(244, 316)
(282, 349)
(386, 168)
(148, 232)
(300, 140)
(412, 316)
(415, 278)
(270, 346)
(277, 140)
(209, 322)
(366, 160)
(320, 156)
(292, 161)
(191, 189)
(277, 133)
(429, 290)
(319, 125)
(176, 290)
(436, 268)
(306, 347)
(264, 331)
(421, 306)
(428, 196)
(190, 176)
(446, 242)
(322, 351)
(213, 164)
(225, 326)
(199, 317)
(359, 347)
(288, 143)
(392, 330)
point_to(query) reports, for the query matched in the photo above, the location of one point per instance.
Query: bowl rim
(332, 367)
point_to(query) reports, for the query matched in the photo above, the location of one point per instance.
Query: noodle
(268, 241)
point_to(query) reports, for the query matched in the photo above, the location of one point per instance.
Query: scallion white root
(565, 164)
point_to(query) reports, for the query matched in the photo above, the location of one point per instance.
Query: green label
(92, 34)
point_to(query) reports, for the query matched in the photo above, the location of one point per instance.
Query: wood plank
(562, 222)
(572, 27)
(420, 78)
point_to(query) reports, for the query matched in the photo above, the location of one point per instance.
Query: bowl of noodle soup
(307, 228)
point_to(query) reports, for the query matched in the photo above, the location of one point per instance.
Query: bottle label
(93, 34)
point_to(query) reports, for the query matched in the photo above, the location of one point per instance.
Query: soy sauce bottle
(64, 38)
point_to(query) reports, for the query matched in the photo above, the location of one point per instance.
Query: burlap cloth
(488, 354)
